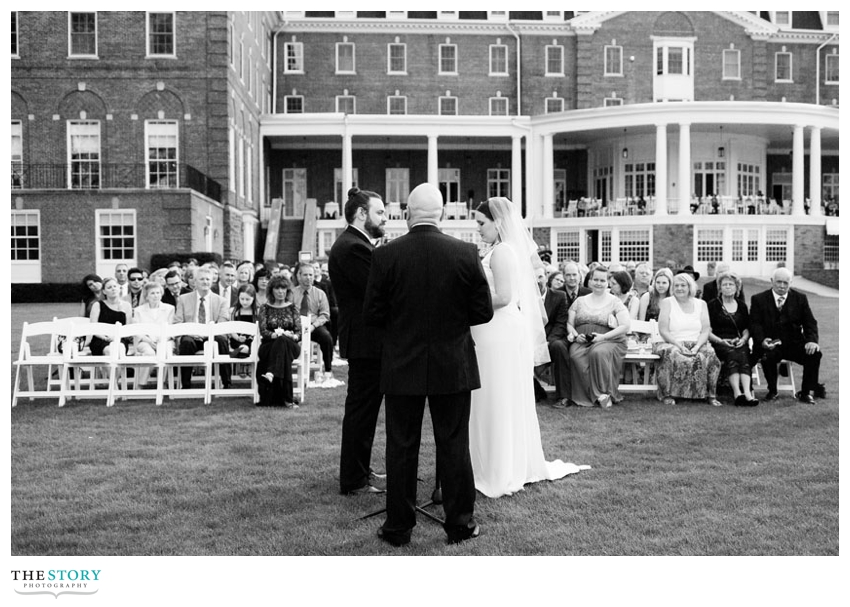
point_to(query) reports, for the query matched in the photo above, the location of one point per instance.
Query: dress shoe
(561, 403)
(804, 397)
(376, 476)
(771, 396)
(392, 538)
(741, 401)
(753, 402)
(466, 533)
(365, 489)
(819, 391)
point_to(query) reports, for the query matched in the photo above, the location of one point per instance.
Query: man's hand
(769, 344)
(811, 347)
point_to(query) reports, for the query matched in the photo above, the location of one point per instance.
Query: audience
(650, 303)
(245, 310)
(136, 280)
(642, 279)
(92, 292)
(280, 330)
(555, 305)
(173, 288)
(261, 282)
(226, 287)
(121, 270)
(313, 301)
(620, 285)
(711, 291)
(153, 310)
(572, 283)
(112, 309)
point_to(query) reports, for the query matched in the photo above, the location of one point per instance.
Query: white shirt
(777, 297)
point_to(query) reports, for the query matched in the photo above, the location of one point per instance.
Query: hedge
(161, 260)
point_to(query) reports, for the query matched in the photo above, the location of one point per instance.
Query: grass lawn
(233, 479)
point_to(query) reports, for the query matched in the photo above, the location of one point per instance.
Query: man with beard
(348, 265)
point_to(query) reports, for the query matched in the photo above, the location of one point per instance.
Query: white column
(815, 177)
(347, 169)
(797, 206)
(433, 166)
(548, 181)
(516, 171)
(660, 169)
(684, 169)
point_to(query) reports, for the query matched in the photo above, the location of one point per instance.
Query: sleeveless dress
(504, 434)
(109, 316)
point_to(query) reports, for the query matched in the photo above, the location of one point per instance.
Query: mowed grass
(233, 479)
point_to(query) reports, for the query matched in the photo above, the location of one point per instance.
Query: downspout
(817, 67)
(518, 71)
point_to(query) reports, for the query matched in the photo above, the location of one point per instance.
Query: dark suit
(795, 326)
(426, 289)
(555, 303)
(348, 264)
(186, 311)
(168, 298)
(572, 298)
(234, 297)
(326, 286)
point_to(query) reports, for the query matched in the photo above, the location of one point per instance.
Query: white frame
(546, 102)
(551, 48)
(106, 267)
(353, 104)
(610, 70)
(71, 161)
(826, 62)
(390, 99)
(148, 50)
(790, 56)
(286, 99)
(494, 49)
(17, 129)
(774, 17)
(390, 69)
(736, 63)
(441, 58)
(71, 53)
(495, 101)
(610, 102)
(447, 98)
(501, 177)
(397, 180)
(16, 37)
(297, 57)
(353, 70)
(176, 134)
(27, 270)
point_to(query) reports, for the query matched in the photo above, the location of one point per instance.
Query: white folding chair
(75, 360)
(29, 357)
(228, 328)
(122, 387)
(301, 367)
(59, 343)
(171, 359)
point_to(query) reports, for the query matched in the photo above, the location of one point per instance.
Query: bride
(504, 435)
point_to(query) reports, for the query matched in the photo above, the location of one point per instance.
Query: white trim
(776, 77)
(390, 99)
(174, 128)
(148, 52)
(402, 71)
(723, 63)
(440, 60)
(298, 56)
(447, 98)
(607, 69)
(494, 47)
(27, 270)
(106, 267)
(71, 54)
(353, 69)
(560, 72)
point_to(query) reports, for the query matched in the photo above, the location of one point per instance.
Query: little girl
(244, 310)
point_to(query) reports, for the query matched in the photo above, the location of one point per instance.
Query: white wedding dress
(504, 434)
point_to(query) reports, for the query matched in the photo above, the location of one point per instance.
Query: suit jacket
(581, 291)
(187, 304)
(234, 297)
(555, 303)
(426, 289)
(168, 298)
(348, 264)
(795, 325)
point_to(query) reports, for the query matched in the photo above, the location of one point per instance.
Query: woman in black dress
(280, 329)
(111, 310)
(730, 336)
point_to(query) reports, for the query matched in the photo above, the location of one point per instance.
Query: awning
(832, 226)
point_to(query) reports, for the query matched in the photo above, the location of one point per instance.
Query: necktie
(305, 304)
(202, 313)
(780, 302)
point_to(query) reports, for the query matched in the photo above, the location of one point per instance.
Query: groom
(426, 289)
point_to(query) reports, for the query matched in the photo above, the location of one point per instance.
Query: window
(498, 106)
(448, 106)
(448, 58)
(231, 153)
(293, 104)
(731, 64)
(14, 34)
(294, 52)
(240, 165)
(340, 194)
(605, 246)
(498, 60)
(26, 247)
(398, 184)
(84, 153)
(830, 186)
(448, 180)
(749, 179)
(498, 183)
(345, 104)
(17, 155)
(567, 245)
(554, 60)
(82, 30)
(634, 245)
(782, 18)
(783, 67)
(612, 101)
(639, 179)
(776, 245)
(831, 20)
(672, 59)
(554, 105)
(230, 49)
(831, 69)
(830, 252)
(161, 136)
(396, 58)
(345, 58)
(161, 34)
(613, 60)
(710, 244)
(396, 105)
(116, 236)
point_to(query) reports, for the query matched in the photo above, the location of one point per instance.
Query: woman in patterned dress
(280, 330)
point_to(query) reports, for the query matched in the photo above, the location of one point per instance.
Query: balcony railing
(89, 176)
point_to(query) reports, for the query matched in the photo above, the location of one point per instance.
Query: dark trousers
(450, 419)
(362, 406)
(797, 353)
(322, 336)
(559, 353)
(190, 345)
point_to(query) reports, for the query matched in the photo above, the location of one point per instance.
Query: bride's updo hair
(357, 199)
(484, 209)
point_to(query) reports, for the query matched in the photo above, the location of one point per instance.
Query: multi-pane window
(830, 186)
(554, 105)
(745, 244)
(673, 59)
(162, 153)
(639, 179)
(396, 104)
(567, 245)
(776, 245)
(832, 19)
(634, 245)
(293, 104)
(831, 67)
(448, 106)
(345, 104)
(396, 58)
(26, 239)
(554, 60)
(783, 67)
(613, 60)
(749, 179)
(14, 33)
(498, 182)
(731, 64)
(84, 154)
(82, 30)
(345, 58)
(782, 18)
(830, 252)
(231, 149)
(161, 34)
(294, 52)
(448, 58)
(116, 234)
(498, 60)
(605, 246)
(612, 101)
(710, 244)
(17, 155)
(498, 106)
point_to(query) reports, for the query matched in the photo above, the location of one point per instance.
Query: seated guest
(153, 310)
(203, 306)
(280, 330)
(261, 283)
(620, 285)
(189, 278)
(113, 308)
(313, 301)
(784, 328)
(323, 282)
(244, 273)
(92, 292)
(730, 336)
(711, 291)
(136, 280)
(572, 283)
(598, 348)
(650, 302)
(642, 279)
(688, 368)
(693, 274)
(245, 310)
(174, 288)
(555, 280)
(555, 304)
(226, 287)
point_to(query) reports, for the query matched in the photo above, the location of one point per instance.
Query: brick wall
(672, 242)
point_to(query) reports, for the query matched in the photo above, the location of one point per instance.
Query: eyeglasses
(136, 278)
(172, 284)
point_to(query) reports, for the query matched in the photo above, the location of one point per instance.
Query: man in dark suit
(226, 287)
(426, 289)
(572, 283)
(348, 266)
(174, 288)
(783, 327)
(555, 303)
